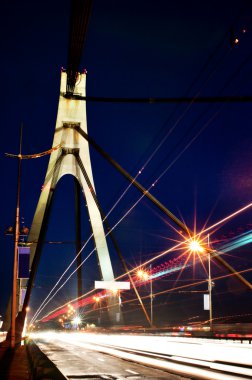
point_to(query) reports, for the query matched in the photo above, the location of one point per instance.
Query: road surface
(121, 356)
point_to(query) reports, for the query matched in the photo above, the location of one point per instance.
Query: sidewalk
(14, 363)
(26, 362)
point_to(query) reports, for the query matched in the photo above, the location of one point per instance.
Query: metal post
(15, 259)
(210, 289)
(151, 297)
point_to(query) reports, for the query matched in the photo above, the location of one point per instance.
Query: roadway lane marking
(130, 371)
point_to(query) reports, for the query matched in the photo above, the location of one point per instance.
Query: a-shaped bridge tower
(71, 158)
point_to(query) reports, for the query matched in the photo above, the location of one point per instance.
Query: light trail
(44, 303)
(240, 241)
(47, 299)
(178, 288)
(178, 246)
(234, 244)
(134, 205)
(227, 218)
(199, 282)
(197, 358)
(170, 131)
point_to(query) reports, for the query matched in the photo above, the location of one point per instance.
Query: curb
(41, 367)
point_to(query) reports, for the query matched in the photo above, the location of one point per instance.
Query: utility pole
(151, 296)
(210, 288)
(20, 157)
(15, 259)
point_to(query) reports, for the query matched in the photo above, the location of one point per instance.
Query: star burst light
(76, 320)
(195, 246)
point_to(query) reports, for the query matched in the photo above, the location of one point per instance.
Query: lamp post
(144, 276)
(195, 246)
(151, 295)
(19, 156)
(210, 286)
(15, 259)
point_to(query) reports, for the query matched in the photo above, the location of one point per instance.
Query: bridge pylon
(71, 158)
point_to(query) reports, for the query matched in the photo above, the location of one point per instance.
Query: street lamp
(15, 259)
(76, 321)
(210, 286)
(145, 276)
(195, 246)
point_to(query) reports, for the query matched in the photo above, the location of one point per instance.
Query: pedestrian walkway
(14, 363)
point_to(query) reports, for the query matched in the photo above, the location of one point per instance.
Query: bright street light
(76, 321)
(145, 276)
(195, 246)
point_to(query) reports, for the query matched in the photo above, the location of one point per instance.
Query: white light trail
(234, 244)
(227, 218)
(177, 246)
(197, 358)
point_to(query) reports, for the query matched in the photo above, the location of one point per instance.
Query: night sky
(199, 154)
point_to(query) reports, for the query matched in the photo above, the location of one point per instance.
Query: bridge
(147, 265)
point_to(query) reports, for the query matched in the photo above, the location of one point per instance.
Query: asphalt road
(120, 356)
(80, 362)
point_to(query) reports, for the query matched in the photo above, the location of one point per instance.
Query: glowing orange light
(195, 246)
(145, 276)
(142, 274)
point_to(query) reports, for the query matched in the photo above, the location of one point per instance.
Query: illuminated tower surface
(68, 159)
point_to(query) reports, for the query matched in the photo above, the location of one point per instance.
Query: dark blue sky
(133, 49)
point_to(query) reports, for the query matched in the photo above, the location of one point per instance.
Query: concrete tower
(71, 158)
